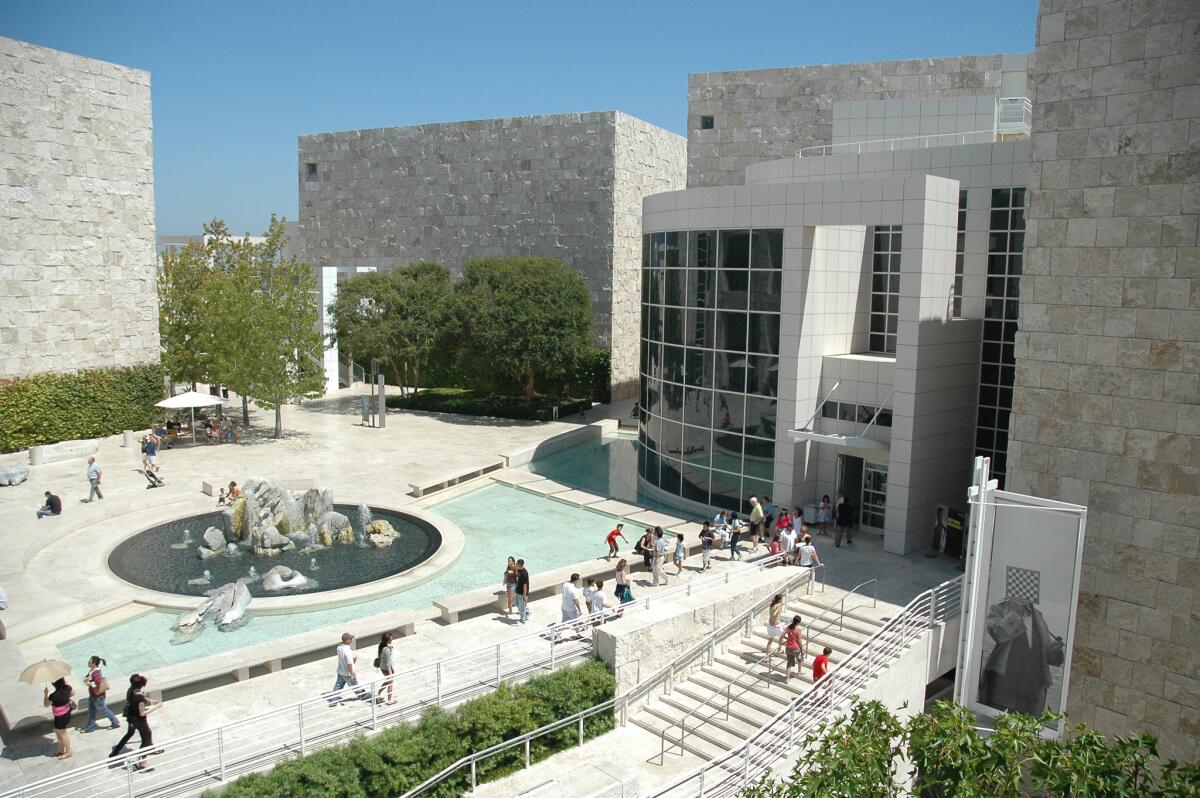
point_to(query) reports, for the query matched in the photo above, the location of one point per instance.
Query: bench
(57, 452)
(417, 490)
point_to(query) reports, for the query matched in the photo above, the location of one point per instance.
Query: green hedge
(48, 408)
(404, 756)
(467, 402)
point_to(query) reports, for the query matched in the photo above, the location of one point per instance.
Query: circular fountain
(271, 542)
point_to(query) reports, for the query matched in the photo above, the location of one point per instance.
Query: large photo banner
(1023, 596)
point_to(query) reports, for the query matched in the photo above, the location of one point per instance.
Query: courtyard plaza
(325, 443)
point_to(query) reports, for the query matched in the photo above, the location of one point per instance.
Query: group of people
(791, 641)
(347, 671)
(138, 707)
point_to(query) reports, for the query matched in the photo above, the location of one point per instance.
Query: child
(821, 664)
(680, 552)
(706, 543)
(612, 541)
(222, 499)
(775, 546)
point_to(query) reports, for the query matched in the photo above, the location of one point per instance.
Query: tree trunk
(416, 377)
(279, 418)
(245, 411)
(529, 385)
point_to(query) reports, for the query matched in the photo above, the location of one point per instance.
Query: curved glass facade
(710, 363)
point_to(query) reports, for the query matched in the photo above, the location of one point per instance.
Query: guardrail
(899, 143)
(209, 758)
(666, 674)
(841, 605)
(1014, 115)
(775, 740)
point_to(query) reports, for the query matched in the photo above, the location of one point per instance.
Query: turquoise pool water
(496, 521)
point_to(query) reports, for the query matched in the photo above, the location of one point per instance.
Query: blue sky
(234, 83)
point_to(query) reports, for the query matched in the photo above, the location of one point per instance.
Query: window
(959, 253)
(874, 495)
(706, 123)
(310, 172)
(1006, 243)
(885, 289)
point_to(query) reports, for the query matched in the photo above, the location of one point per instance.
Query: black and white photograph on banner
(1024, 605)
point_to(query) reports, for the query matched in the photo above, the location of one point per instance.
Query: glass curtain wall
(885, 288)
(1006, 243)
(710, 363)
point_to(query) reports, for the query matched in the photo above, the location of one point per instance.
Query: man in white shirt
(788, 539)
(346, 674)
(94, 476)
(3, 606)
(572, 599)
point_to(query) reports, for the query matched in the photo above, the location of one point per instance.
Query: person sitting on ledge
(53, 506)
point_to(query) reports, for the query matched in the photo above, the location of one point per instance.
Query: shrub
(402, 757)
(475, 403)
(48, 408)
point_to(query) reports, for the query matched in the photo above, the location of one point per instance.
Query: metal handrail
(763, 749)
(664, 674)
(855, 147)
(208, 757)
(841, 605)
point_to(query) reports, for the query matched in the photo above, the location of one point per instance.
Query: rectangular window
(959, 253)
(706, 122)
(885, 288)
(874, 495)
(310, 172)
(735, 249)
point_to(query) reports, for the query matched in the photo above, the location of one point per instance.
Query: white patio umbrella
(191, 400)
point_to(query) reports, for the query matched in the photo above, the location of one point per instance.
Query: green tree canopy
(523, 319)
(397, 317)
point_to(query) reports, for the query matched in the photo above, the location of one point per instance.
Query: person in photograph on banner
(1017, 672)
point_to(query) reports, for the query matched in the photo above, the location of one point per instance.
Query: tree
(523, 319)
(396, 316)
(277, 312)
(869, 752)
(188, 295)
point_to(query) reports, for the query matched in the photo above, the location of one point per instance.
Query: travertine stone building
(736, 119)
(566, 186)
(1107, 403)
(77, 256)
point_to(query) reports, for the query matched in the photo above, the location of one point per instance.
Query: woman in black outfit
(61, 706)
(137, 707)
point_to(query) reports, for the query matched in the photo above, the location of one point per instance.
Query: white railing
(209, 758)
(899, 143)
(1014, 115)
(775, 741)
(705, 648)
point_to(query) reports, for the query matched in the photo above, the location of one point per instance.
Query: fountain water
(201, 580)
(186, 542)
(253, 575)
(312, 564)
(364, 518)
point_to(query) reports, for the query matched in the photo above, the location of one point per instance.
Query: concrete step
(841, 647)
(865, 618)
(710, 723)
(743, 718)
(694, 744)
(752, 709)
(765, 700)
(860, 624)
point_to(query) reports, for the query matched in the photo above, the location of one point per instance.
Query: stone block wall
(77, 261)
(770, 113)
(1106, 410)
(547, 185)
(648, 160)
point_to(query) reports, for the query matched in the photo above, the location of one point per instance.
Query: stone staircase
(760, 693)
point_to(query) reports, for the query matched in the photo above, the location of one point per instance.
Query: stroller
(153, 478)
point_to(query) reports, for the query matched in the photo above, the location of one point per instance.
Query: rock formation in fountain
(226, 605)
(380, 534)
(283, 578)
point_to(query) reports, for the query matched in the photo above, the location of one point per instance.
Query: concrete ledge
(563, 440)
(417, 490)
(67, 450)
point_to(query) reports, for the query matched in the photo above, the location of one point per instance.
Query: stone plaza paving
(325, 443)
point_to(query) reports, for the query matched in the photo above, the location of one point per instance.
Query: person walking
(385, 663)
(61, 706)
(623, 593)
(137, 708)
(824, 515)
(660, 556)
(706, 544)
(3, 606)
(756, 522)
(680, 553)
(612, 541)
(522, 591)
(572, 599)
(735, 537)
(510, 583)
(821, 664)
(52, 506)
(97, 687)
(845, 523)
(151, 450)
(347, 676)
(793, 643)
(94, 475)
(783, 520)
(774, 629)
(788, 539)
(806, 553)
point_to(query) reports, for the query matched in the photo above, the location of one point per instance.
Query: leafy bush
(865, 754)
(48, 408)
(475, 403)
(403, 756)
(593, 375)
